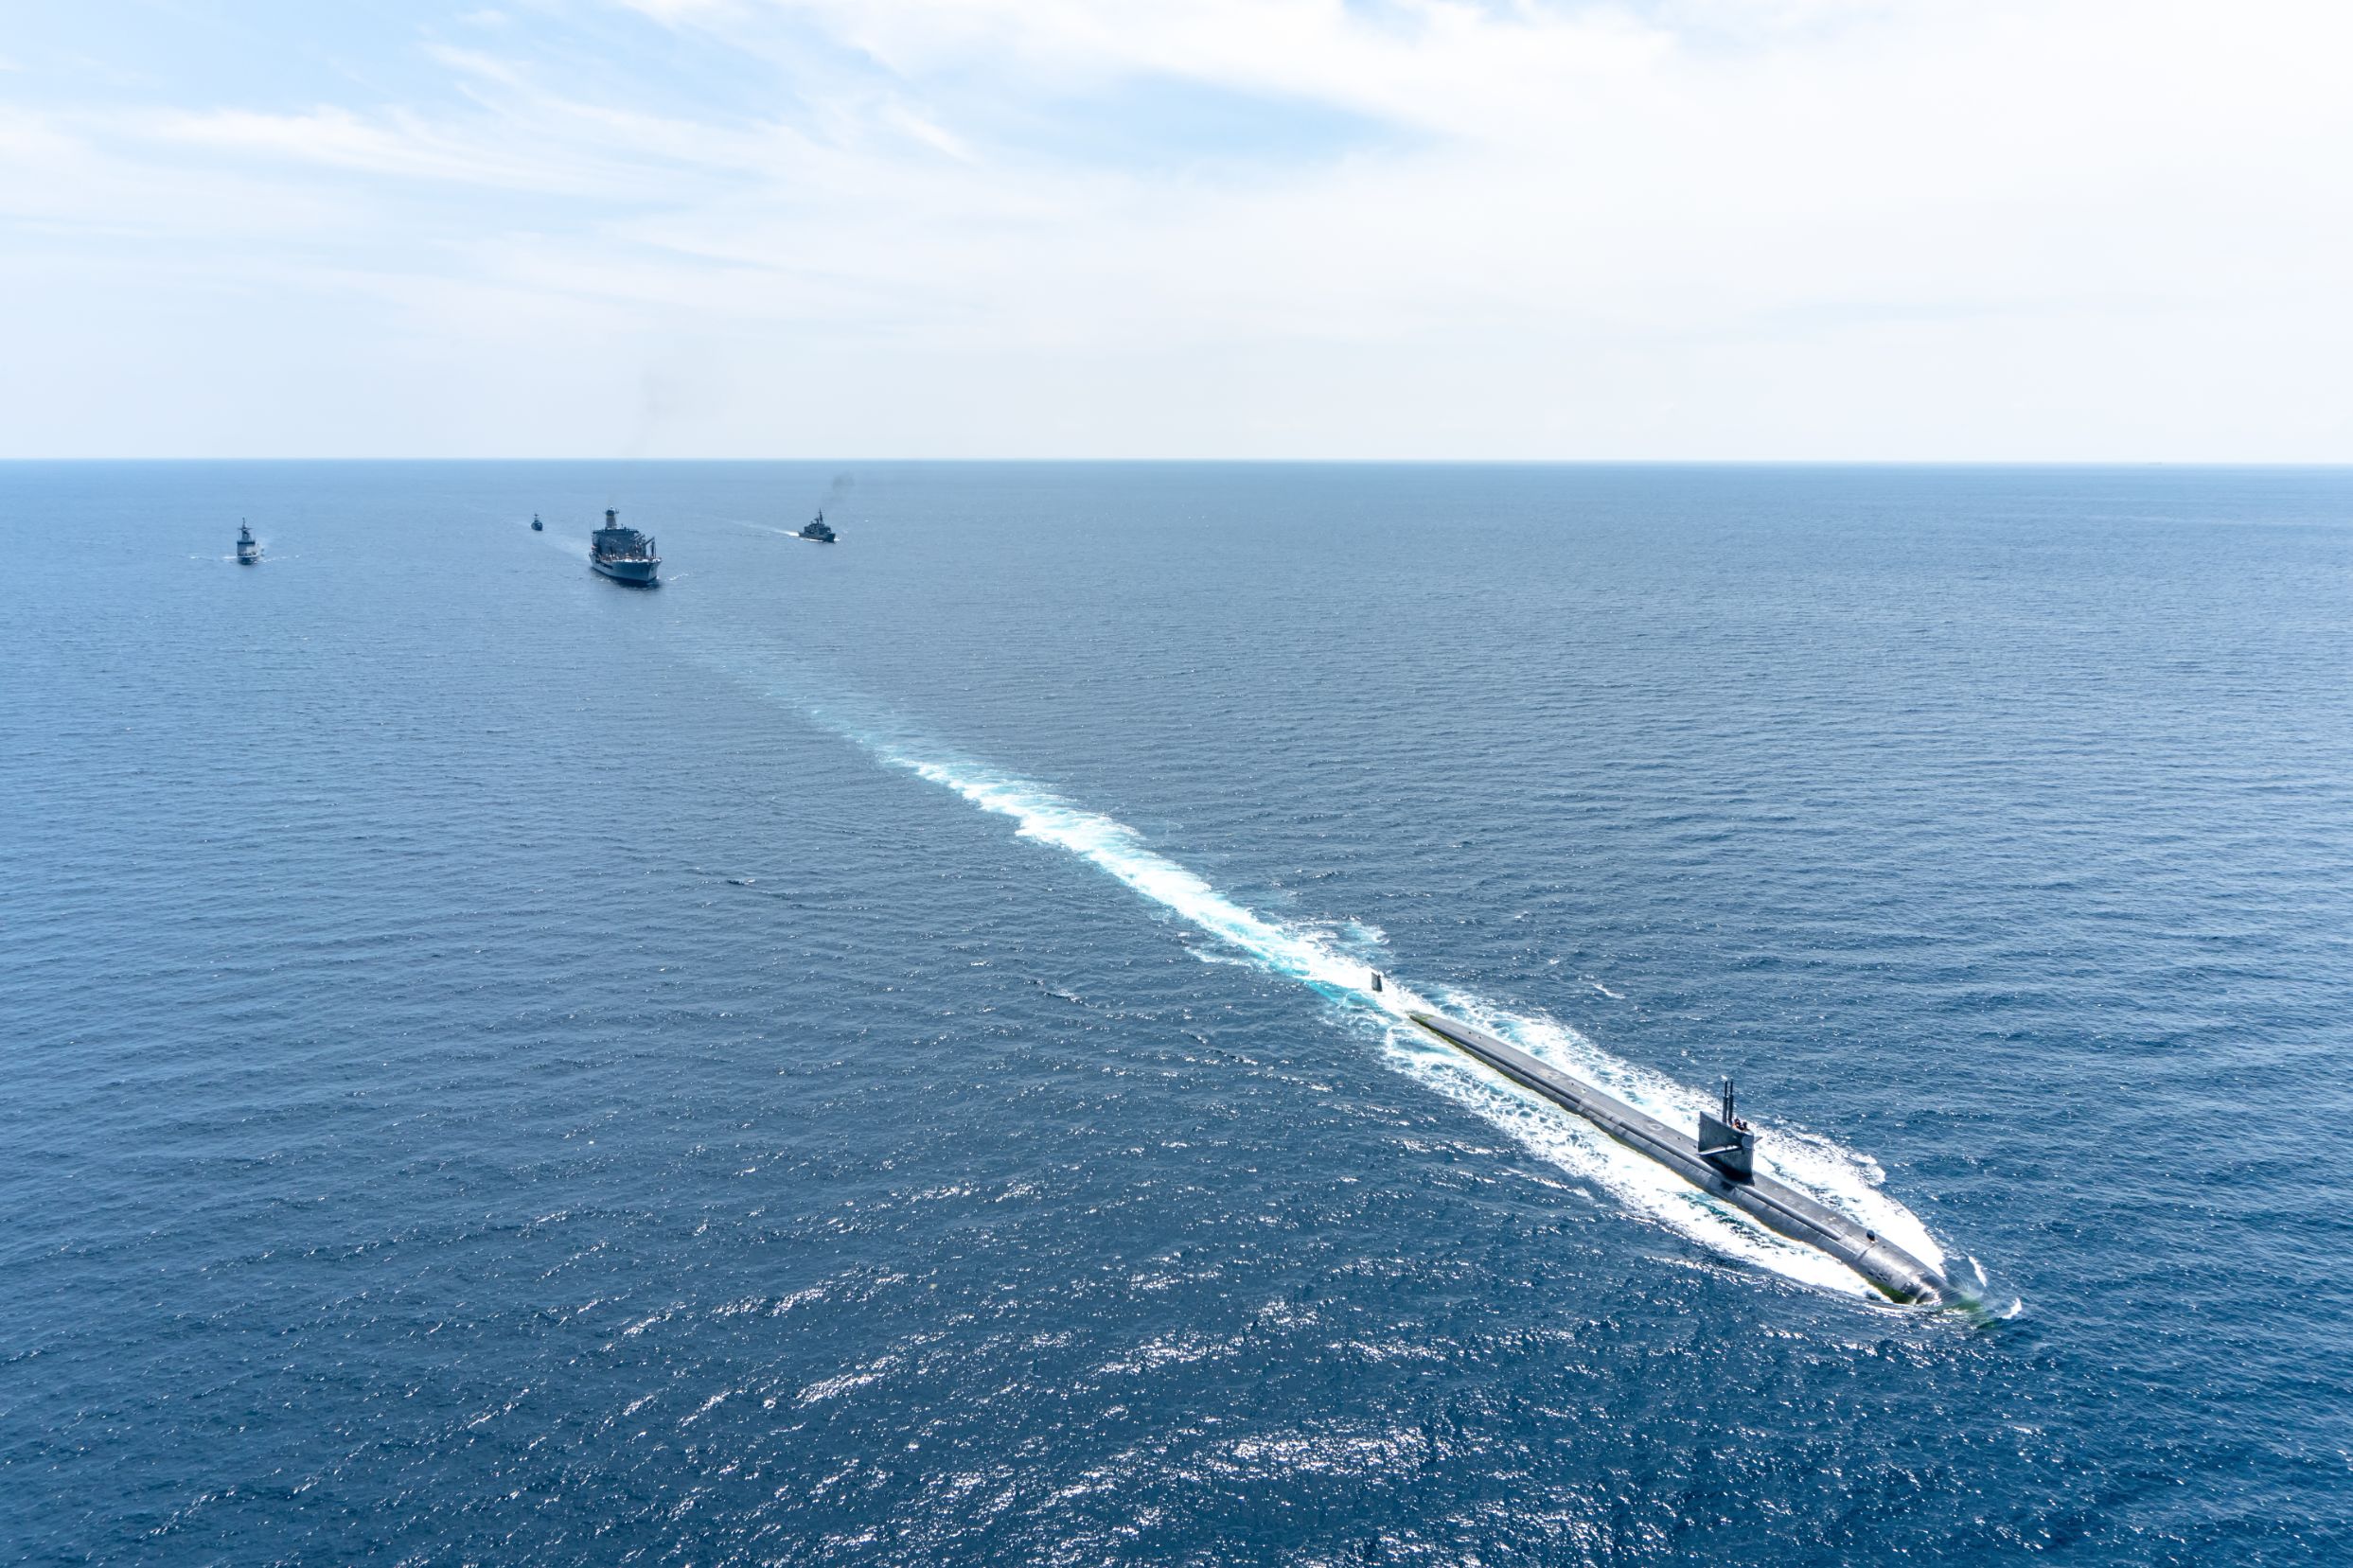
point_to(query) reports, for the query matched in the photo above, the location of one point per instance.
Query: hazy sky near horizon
(1660, 229)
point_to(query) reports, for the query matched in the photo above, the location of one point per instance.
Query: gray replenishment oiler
(248, 548)
(1722, 1161)
(624, 555)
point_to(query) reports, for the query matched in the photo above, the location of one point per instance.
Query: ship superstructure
(624, 555)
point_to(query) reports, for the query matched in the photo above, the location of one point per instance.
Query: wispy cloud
(1690, 227)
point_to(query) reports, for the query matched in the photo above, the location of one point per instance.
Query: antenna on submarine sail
(1726, 1142)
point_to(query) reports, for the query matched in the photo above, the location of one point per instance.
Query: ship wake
(1338, 968)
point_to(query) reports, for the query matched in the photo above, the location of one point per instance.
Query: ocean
(864, 1054)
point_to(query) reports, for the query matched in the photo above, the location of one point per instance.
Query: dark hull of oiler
(1778, 1206)
(636, 574)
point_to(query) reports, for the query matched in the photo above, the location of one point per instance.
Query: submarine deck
(1779, 1205)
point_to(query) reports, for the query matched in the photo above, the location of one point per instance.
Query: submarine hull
(1779, 1206)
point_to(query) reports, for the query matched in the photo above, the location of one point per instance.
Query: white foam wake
(1838, 1176)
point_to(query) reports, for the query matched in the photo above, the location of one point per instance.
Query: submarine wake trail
(1839, 1178)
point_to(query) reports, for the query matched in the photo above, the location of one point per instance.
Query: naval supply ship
(248, 548)
(817, 532)
(624, 555)
(1720, 1161)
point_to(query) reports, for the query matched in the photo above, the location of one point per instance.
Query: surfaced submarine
(1720, 1161)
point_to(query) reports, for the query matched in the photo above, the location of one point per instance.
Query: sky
(1805, 230)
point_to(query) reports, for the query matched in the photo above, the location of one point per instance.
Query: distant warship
(624, 555)
(535, 521)
(817, 532)
(248, 548)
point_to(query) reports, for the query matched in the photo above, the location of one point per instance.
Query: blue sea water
(860, 1055)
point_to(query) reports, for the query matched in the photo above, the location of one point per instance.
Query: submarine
(1720, 1161)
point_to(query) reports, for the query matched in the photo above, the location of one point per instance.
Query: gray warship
(624, 555)
(248, 548)
(819, 532)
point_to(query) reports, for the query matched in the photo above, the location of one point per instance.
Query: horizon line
(1309, 461)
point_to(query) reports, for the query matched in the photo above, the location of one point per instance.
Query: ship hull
(1897, 1273)
(635, 574)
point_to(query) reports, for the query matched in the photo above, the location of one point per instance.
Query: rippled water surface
(863, 1054)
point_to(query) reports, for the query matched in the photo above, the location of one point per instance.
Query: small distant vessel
(817, 532)
(535, 521)
(624, 555)
(248, 548)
